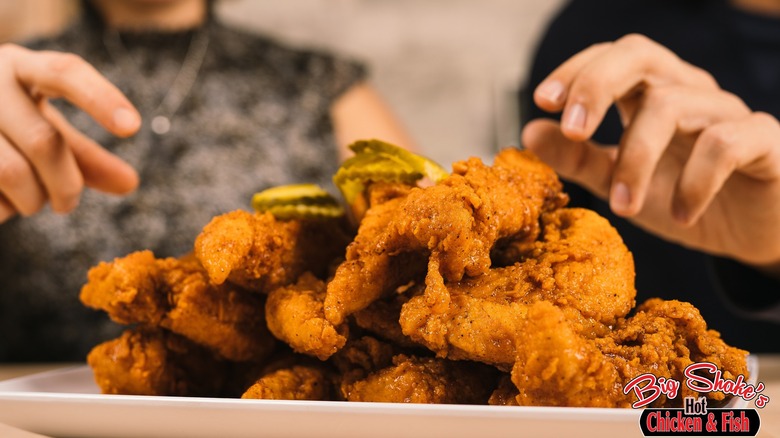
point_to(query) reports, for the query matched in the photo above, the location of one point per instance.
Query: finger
(585, 163)
(57, 74)
(750, 145)
(663, 113)
(631, 64)
(41, 144)
(550, 95)
(7, 210)
(100, 169)
(18, 182)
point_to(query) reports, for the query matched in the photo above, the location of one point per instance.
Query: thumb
(583, 162)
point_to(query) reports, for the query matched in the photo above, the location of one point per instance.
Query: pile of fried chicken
(481, 289)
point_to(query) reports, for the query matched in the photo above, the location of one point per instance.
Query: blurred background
(449, 68)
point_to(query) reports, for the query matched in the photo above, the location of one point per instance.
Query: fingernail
(620, 198)
(126, 120)
(574, 119)
(551, 91)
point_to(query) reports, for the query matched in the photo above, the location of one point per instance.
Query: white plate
(67, 403)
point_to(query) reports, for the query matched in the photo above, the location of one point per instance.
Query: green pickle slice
(297, 201)
(376, 160)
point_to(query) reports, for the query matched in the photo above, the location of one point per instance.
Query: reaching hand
(694, 165)
(43, 158)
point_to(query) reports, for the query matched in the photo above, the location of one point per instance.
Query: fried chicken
(146, 361)
(366, 275)
(381, 317)
(296, 383)
(505, 394)
(361, 357)
(482, 288)
(664, 337)
(579, 264)
(260, 253)
(127, 289)
(559, 367)
(371, 370)
(456, 222)
(424, 380)
(295, 315)
(175, 294)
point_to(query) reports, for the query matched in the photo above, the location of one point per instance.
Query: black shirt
(742, 51)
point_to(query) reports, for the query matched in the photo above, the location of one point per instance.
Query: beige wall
(450, 68)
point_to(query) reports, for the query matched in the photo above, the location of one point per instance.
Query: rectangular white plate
(67, 403)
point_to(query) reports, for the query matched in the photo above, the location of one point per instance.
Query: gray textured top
(257, 116)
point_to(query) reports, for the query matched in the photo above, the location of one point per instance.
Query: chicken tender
(424, 380)
(361, 357)
(296, 383)
(260, 253)
(146, 361)
(505, 394)
(456, 222)
(127, 289)
(579, 264)
(381, 318)
(559, 367)
(175, 294)
(480, 288)
(295, 315)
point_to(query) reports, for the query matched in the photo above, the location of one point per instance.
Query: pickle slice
(376, 160)
(297, 201)
(299, 211)
(426, 166)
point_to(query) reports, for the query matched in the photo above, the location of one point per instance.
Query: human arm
(43, 158)
(361, 113)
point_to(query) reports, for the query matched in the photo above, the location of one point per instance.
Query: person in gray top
(181, 115)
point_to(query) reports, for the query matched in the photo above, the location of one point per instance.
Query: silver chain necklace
(182, 84)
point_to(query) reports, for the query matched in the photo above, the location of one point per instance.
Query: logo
(695, 417)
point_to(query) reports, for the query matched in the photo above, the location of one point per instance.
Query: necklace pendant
(161, 125)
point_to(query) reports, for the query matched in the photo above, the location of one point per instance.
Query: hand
(43, 158)
(694, 165)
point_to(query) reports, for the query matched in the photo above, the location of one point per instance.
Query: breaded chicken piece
(361, 357)
(664, 337)
(224, 318)
(147, 361)
(424, 380)
(457, 222)
(127, 289)
(381, 317)
(579, 264)
(296, 383)
(175, 294)
(479, 289)
(505, 394)
(295, 315)
(556, 366)
(559, 367)
(260, 253)
(365, 275)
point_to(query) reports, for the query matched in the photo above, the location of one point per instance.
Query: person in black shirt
(693, 93)
(204, 115)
